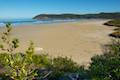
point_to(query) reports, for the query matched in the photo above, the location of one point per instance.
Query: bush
(115, 34)
(107, 66)
(115, 22)
(62, 66)
(16, 65)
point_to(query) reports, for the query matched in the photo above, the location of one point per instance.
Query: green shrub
(61, 66)
(16, 65)
(107, 66)
(115, 22)
(115, 34)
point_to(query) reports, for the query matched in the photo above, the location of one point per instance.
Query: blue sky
(30, 8)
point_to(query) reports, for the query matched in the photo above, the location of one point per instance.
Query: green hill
(114, 15)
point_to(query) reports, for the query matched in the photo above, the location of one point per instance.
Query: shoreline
(77, 40)
(49, 23)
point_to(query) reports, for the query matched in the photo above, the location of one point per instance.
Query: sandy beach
(77, 40)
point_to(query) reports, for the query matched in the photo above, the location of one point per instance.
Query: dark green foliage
(64, 64)
(83, 73)
(43, 61)
(107, 66)
(79, 16)
(61, 66)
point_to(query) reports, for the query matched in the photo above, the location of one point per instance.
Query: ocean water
(27, 21)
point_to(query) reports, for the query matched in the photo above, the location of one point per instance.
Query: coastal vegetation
(116, 23)
(79, 16)
(106, 66)
(28, 66)
(115, 34)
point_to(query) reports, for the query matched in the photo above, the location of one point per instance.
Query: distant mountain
(79, 16)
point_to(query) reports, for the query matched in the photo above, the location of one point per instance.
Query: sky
(31, 8)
